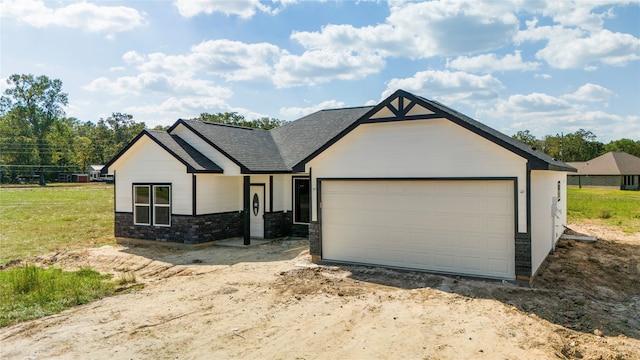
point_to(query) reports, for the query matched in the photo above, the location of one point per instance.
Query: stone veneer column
(315, 242)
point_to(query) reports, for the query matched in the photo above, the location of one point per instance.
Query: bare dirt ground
(270, 302)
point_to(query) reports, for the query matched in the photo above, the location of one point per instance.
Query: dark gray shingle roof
(289, 147)
(185, 153)
(252, 149)
(299, 139)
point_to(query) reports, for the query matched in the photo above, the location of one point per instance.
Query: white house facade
(408, 183)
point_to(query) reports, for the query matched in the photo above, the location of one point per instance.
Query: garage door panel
(471, 264)
(462, 227)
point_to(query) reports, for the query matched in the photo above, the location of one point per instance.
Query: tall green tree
(111, 135)
(18, 152)
(525, 136)
(624, 145)
(40, 102)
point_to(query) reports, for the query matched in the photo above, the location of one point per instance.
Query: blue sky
(543, 66)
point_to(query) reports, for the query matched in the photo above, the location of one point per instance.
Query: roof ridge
(344, 108)
(221, 124)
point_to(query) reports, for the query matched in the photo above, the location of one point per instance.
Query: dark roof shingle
(288, 147)
(252, 149)
(185, 153)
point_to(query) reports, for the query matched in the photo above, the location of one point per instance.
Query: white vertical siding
(282, 192)
(230, 168)
(147, 162)
(420, 148)
(216, 193)
(543, 232)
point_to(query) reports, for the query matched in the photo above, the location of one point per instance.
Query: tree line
(581, 145)
(37, 139)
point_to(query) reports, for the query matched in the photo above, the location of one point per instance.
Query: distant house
(94, 172)
(616, 170)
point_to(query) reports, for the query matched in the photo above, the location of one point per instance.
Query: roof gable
(611, 163)
(289, 147)
(254, 150)
(403, 106)
(178, 148)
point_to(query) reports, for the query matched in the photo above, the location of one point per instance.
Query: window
(152, 202)
(629, 180)
(301, 200)
(141, 205)
(161, 205)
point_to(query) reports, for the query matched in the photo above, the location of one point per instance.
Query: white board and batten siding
(435, 148)
(282, 188)
(147, 162)
(464, 223)
(549, 215)
(217, 193)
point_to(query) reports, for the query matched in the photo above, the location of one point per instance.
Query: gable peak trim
(401, 107)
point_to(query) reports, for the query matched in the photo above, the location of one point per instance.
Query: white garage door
(462, 227)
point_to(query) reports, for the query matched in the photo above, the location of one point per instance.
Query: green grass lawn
(29, 292)
(36, 220)
(612, 207)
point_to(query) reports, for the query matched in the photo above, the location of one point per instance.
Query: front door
(256, 200)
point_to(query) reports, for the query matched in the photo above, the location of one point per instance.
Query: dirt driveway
(270, 302)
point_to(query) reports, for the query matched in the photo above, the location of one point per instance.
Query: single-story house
(614, 170)
(407, 183)
(95, 172)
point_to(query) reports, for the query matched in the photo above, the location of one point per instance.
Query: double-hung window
(152, 205)
(301, 200)
(161, 205)
(142, 205)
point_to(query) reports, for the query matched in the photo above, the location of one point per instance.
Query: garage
(451, 226)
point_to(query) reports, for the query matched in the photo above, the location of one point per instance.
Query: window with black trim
(152, 205)
(141, 205)
(301, 200)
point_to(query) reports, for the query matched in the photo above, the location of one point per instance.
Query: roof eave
(191, 170)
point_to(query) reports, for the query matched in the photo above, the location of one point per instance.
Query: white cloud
(577, 13)
(489, 63)
(422, 30)
(447, 86)
(566, 52)
(542, 76)
(81, 15)
(579, 41)
(242, 8)
(532, 104)
(591, 93)
(319, 66)
(154, 83)
(232, 60)
(543, 114)
(297, 112)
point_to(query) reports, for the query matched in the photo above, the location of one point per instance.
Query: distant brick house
(613, 170)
